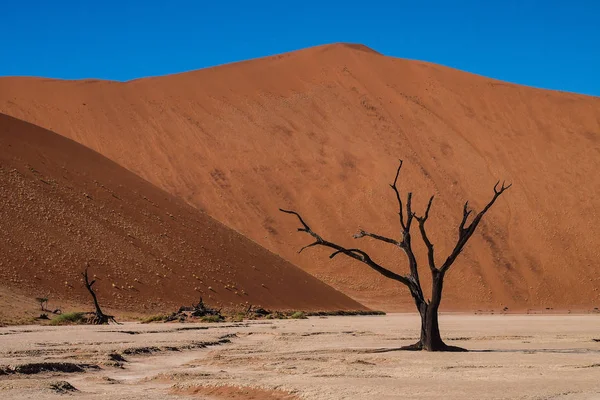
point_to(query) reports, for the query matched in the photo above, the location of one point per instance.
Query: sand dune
(63, 205)
(321, 130)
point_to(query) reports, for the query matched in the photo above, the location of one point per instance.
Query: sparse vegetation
(71, 318)
(44, 307)
(343, 313)
(237, 317)
(212, 318)
(298, 315)
(260, 313)
(154, 318)
(43, 302)
(202, 313)
(200, 310)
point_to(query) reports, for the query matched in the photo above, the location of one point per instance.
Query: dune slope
(63, 205)
(321, 130)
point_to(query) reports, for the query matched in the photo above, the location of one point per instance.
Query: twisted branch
(464, 233)
(356, 254)
(430, 252)
(362, 234)
(98, 317)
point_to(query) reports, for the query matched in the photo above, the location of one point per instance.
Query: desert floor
(511, 357)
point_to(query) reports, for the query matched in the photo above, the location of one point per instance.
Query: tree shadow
(534, 351)
(455, 349)
(416, 347)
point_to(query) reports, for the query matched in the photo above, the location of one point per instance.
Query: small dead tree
(430, 338)
(96, 317)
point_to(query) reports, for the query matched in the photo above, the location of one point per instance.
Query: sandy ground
(511, 357)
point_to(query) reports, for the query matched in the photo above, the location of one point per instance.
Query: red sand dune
(62, 205)
(321, 130)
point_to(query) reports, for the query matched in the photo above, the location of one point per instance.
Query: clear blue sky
(550, 44)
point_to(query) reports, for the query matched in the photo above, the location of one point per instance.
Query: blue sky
(549, 44)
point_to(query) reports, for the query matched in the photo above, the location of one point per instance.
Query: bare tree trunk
(431, 340)
(430, 330)
(96, 305)
(98, 317)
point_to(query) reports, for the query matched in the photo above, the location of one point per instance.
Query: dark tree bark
(430, 338)
(97, 317)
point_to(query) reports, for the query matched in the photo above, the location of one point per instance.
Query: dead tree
(430, 338)
(96, 317)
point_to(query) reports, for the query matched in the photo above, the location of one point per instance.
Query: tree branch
(410, 215)
(398, 198)
(362, 234)
(466, 213)
(357, 254)
(307, 246)
(362, 254)
(88, 286)
(430, 252)
(464, 233)
(405, 243)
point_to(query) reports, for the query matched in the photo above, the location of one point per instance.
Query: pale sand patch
(511, 357)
